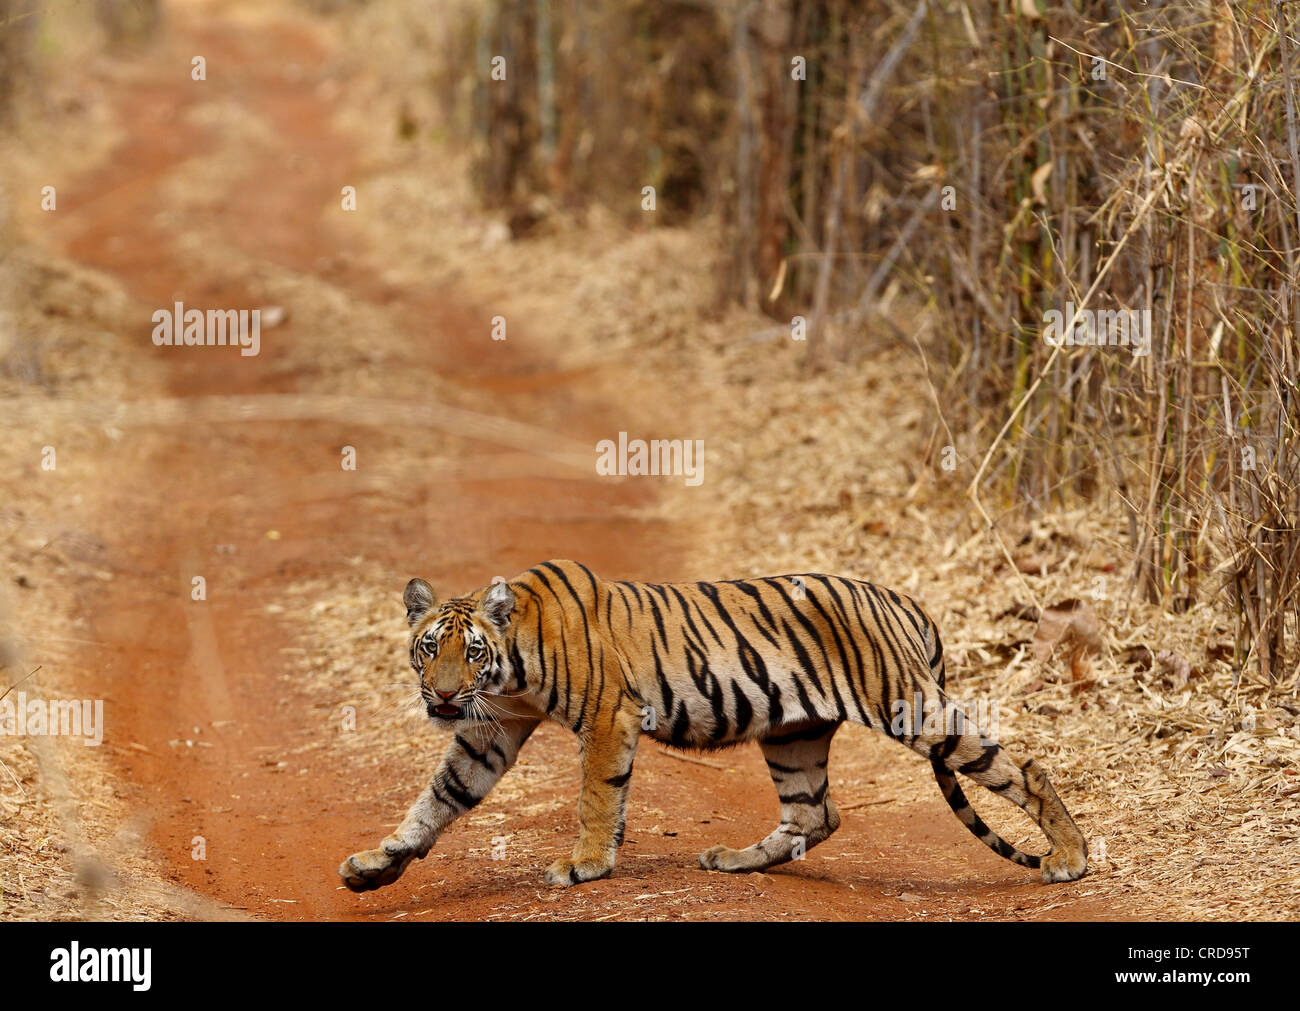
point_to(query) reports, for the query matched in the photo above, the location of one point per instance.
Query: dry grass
(70, 846)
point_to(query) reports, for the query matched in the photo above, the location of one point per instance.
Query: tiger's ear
(498, 603)
(419, 600)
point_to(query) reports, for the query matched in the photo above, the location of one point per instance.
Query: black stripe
(753, 591)
(458, 790)
(665, 689)
(586, 629)
(479, 756)
(865, 631)
(744, 711)
(679, 736)
(982, 763)
(806, 624)
(812, 799)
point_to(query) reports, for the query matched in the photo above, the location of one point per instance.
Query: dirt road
(225, 194)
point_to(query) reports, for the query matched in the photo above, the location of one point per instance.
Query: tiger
(783, 660)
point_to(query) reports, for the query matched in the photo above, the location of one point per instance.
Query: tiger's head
(458, 649)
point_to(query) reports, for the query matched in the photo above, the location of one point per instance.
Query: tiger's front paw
(371, 869)
(570, 872)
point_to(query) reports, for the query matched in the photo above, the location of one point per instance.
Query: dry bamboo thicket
(128, 22)
(998, 164)
(556, 112)
(27, 43)
(1140, 161)
(19, 20)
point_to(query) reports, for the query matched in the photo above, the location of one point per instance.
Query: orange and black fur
(783, 660)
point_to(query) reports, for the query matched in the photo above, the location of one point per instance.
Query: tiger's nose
(445, 696)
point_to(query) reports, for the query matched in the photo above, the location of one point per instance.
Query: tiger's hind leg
(1024, 784)
(797, 761)
(957, 746)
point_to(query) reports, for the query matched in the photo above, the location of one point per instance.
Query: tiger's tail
(952, 793)
(951, 789)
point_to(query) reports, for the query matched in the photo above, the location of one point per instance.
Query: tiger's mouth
(446, 711)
